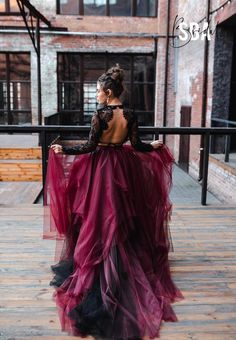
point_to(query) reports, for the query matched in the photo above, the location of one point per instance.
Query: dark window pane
(20, 96)
(3, 74)
(70, 96)
(3, 95)
(124, 62)
(146, 8)
(19, 118)
(15, 92)
(126, 96)
(19, 67)
(144, 86)
(144, 69)
(68, 66)
(94, 7)
(120, 7)
(3, 118)
(94, 66)
(144, 97)
(69, 7)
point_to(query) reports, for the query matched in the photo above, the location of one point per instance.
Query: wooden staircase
(21, 164)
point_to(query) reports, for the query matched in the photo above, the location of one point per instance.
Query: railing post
(227, 147)
(205, 167)
(44, 157)
(156, 134)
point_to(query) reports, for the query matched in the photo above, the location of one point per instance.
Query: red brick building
(193, 85)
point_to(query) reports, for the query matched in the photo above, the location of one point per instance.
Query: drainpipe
(204, 93)
(166, 68)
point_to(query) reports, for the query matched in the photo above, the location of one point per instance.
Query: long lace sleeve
(135, 140)
(92, 141)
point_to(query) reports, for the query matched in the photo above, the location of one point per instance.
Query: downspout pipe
(204, 93)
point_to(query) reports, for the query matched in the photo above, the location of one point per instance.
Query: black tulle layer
(91, 316)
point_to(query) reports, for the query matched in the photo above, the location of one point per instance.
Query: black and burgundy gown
(107, 206)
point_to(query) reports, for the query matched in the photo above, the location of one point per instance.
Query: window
(15, 88)
(8, 6)
(224, 87)
(77, 82)
(142, 8)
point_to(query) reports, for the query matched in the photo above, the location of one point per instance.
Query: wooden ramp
(21, 164)
(203, 267)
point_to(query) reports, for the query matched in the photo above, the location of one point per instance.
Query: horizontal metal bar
(20, 29)
(7, 14)
(61, 82)
(55, 30)
(15, 111)
(143, 129)
(16, 81)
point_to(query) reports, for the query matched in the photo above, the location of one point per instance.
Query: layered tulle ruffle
(108, 211)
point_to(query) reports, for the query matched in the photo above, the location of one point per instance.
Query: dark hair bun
(116, 73)
(112, 79)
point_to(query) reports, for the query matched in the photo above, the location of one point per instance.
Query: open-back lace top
(111, 125)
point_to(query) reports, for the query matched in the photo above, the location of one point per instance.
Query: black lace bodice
(99, 123)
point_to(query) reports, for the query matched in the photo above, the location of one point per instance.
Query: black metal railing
(49, 129)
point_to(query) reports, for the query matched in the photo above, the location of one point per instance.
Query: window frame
(107, 10)
(9, 111)
(8, 10)
(81, 116)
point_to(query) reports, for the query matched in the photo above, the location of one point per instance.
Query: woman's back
(117, 125)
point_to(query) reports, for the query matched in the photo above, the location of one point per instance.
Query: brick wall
(190, 88)
(72, 41)
(222, 179)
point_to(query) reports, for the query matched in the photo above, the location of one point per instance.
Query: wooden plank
(203, 267)
(21, 153)
(20, 164)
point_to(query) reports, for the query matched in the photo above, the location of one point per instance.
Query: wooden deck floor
(203, 267)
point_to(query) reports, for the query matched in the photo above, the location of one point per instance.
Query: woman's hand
(57, 148)
(157, 144)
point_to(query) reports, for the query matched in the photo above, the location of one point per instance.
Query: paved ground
(187, 190)
(19, 192)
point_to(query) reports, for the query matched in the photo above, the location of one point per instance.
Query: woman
(109, 205)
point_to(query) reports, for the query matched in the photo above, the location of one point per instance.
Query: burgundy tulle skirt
(108, 211)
